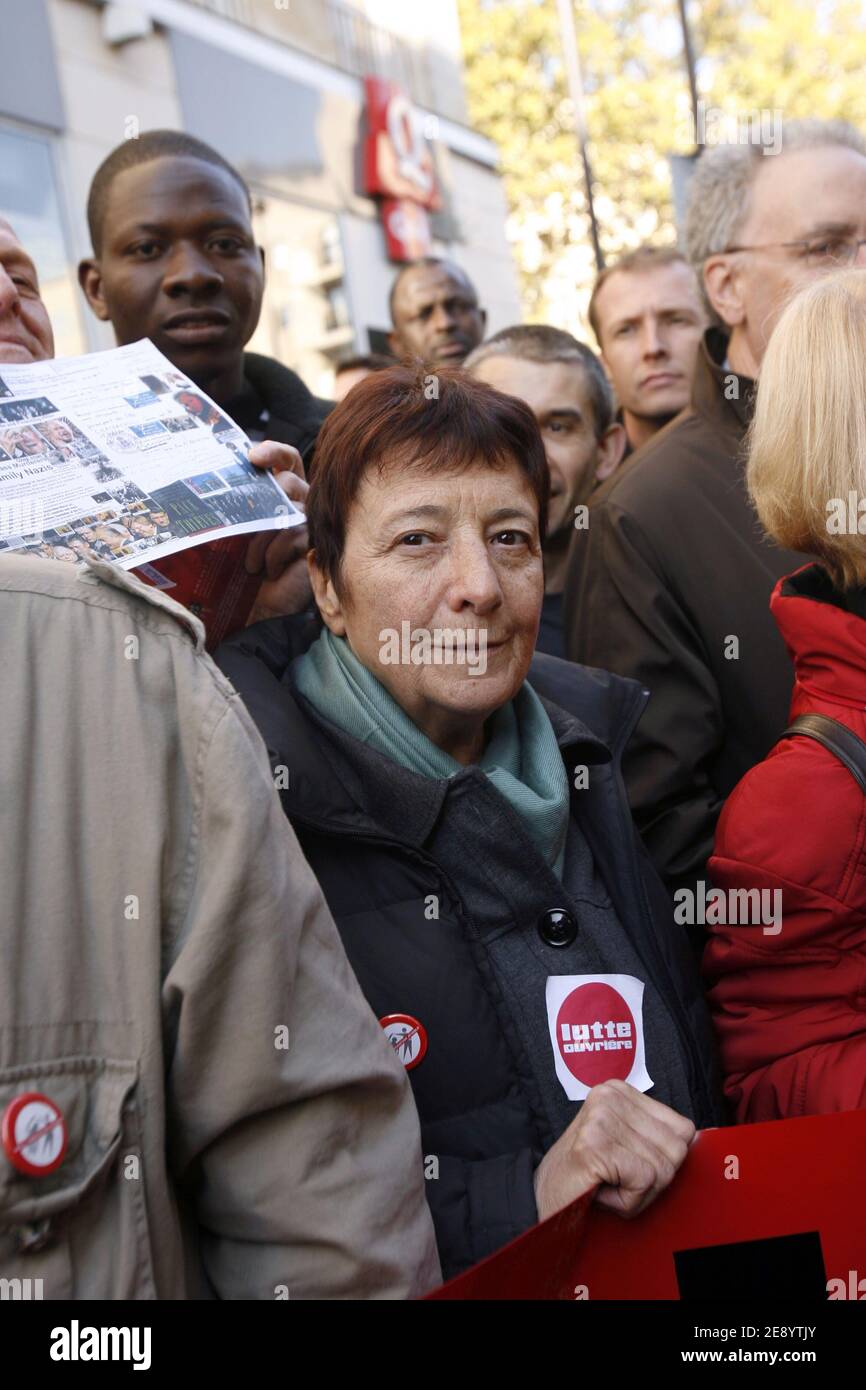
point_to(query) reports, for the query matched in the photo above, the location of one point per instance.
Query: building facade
(277, 86)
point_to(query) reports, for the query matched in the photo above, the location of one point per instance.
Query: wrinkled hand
(623, 1142)
(280, 556)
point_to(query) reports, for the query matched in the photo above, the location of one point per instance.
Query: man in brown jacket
(196, 1099)
(671, 581)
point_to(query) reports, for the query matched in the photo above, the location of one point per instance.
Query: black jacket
(275, 404)
(443, 903)
(670, 583)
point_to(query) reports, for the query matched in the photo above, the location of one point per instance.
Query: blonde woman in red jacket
(788, 995)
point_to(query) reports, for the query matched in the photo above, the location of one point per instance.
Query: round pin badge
(596, 1032)
(33, 1134)
(407, 1036)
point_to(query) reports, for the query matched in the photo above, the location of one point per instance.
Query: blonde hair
(807, 442)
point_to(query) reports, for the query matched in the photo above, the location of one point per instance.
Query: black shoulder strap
(846, 746)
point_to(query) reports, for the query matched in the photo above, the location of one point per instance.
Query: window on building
(29, 201)
(305, 320)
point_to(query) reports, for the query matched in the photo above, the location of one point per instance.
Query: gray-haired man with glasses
(671, 582)
(761, 228)
(831, 250)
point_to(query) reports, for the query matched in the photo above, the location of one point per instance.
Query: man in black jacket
(175, 260)
(671, 581)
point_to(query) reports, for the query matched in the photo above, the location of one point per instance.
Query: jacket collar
(827, 643)
(619, 417)
(335, 780)
(367, 793)
(287, 410)
(592, 711)
(713, 393)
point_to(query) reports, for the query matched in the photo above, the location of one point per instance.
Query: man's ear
(483, 313)
(90, 280)
(261, 251)
(395, 343)
(724, 289)
(327, 600)
(611, 449)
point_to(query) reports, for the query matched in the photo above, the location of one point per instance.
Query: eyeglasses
(826, 251)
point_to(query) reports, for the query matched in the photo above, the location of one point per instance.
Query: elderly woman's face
(441, 553)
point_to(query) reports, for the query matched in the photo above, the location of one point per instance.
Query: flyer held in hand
(117, 456)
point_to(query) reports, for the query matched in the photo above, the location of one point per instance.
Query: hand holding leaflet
(117, 456)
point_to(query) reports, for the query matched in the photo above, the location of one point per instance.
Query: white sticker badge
(596, 1031)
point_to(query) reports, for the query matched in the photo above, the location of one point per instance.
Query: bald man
(435, 313)
(25, 329)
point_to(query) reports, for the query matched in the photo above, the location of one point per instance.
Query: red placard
(747, 1183)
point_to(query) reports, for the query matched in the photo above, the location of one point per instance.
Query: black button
(557, 927)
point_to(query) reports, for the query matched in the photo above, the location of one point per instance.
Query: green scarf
(522, 757)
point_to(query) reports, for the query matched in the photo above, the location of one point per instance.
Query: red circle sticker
(33, 1133)
(596, 1034)
(407, 1036)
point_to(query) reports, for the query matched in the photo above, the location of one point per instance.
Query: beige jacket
(174, 987)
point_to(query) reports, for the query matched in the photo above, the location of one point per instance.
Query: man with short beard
(435, 313)
(671, 582)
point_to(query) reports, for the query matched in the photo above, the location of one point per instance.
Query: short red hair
(443, 422)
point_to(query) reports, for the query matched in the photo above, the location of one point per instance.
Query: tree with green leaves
(791, 56)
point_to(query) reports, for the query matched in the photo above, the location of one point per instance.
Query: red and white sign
(398, 159)
(399, 168)
(407, 1036)
(34, 1134)
(596, 1031)
(407, 230)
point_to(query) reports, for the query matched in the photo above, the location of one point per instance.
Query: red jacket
(790, 1008)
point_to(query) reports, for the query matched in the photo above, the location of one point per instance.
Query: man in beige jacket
(195, 1099)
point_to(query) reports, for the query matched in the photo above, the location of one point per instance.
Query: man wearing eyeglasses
(671, 581)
